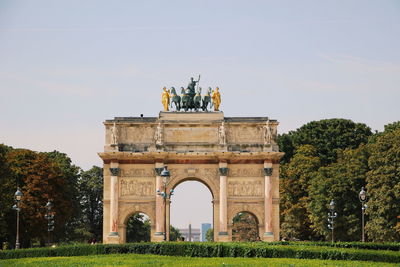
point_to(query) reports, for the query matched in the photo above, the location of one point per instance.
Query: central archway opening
(192, 211)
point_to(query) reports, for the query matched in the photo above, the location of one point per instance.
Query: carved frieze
(134, 172)
(240, 188)
(246, 172)
(136, 187)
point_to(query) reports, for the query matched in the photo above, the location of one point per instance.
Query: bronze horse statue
(206, 100)
(186, 101)
(197, 99)
(176, 99)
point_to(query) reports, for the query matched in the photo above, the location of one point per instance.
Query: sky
(66, 66)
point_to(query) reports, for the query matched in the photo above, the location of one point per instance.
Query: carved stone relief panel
(245, 134)
(136, 187)
(191, 134)
(245, 187)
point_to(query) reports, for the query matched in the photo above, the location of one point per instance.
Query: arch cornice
(189, 156)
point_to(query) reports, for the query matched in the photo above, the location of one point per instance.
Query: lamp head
(165, 172)
(49, 204)
(332, 204)
(362, 195)
(18, 195)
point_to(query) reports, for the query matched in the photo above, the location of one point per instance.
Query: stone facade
(236, 158)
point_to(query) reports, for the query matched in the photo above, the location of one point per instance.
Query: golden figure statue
(216, 98)
(165, 99)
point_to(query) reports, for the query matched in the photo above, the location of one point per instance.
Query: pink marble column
(268, 235)
(223, 203)
(159, 234)
(114, 170)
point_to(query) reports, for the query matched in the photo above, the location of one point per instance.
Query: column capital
(115, 171)
(158, 171)
(268, 171)
(223, 171)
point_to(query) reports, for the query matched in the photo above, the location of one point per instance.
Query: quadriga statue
(190, 98)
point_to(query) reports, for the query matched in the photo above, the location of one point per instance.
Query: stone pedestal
(113, 239)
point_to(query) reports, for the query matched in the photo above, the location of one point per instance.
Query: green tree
(327, 136)
(138, 228)
(90, 194)
(210, 235)
(245, 227)
(174, 233)
(342, 182)
(383, 187)
(70, 174)
(294, 183)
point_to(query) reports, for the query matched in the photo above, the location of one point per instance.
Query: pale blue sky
(66, 66)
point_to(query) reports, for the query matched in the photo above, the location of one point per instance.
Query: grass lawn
(154, 260)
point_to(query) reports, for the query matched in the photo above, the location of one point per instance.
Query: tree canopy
(327, 136)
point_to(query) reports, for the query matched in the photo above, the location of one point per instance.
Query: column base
(223, 237)
(113, 239)
(268, 237)
(158, 237)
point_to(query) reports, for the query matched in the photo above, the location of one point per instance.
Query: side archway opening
(245, 227)
(138, 228)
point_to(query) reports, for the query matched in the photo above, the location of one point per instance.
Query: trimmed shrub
(188, 249)
(361, 245)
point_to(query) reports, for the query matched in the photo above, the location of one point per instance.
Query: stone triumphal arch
(237, 158)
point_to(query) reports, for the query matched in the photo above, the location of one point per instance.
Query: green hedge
(361, 245)
(261, 250)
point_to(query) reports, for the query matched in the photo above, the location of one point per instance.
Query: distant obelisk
(190, 232)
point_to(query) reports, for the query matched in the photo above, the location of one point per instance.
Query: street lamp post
(331, 217)
(363, 197)
(165, 175)
(18, 196)
(50, 219)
